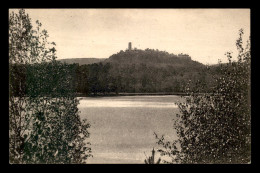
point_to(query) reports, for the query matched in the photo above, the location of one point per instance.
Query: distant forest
(134, 71)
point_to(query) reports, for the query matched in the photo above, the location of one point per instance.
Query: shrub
(216, 127)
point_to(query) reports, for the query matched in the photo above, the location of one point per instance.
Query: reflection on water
(122, 127)
(124, 103)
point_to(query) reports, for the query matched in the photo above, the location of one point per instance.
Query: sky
(205, 34)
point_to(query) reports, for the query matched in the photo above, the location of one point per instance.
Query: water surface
(122, 128)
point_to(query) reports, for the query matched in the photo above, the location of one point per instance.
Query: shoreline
(129, 94)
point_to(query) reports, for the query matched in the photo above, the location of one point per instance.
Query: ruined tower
(129, 46)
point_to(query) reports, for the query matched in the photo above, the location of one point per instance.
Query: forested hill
(81, 61)
(152, 57)
(146, 71)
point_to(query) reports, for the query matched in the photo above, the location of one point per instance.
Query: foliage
(26, 44)
(44, 122)
(58, 135)
(108, 78)
(216, 127)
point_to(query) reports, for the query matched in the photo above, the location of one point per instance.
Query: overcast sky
(204, 34)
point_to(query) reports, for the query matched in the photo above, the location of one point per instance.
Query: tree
(26, 45)
(215, 127)
(44, 122)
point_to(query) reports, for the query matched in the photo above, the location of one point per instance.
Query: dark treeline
(107, 78)
(51, 79)
(114, 77)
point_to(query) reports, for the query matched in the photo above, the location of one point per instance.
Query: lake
(122, 127)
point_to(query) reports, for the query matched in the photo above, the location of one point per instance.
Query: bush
(216, 127)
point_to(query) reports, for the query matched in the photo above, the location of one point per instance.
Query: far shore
(129, 94)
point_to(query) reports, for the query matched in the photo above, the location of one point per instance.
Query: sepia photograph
(129, 85)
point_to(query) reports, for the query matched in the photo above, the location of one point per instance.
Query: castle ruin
(129, 46)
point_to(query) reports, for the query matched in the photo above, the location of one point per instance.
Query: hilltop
(151, 57)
